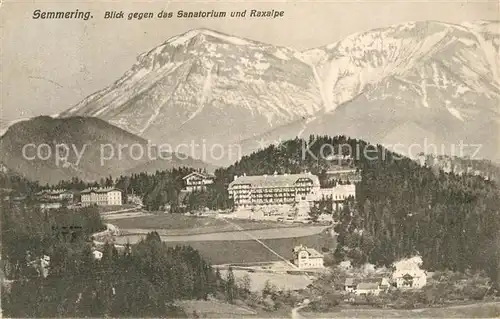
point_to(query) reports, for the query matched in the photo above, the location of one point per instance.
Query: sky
(47, 66)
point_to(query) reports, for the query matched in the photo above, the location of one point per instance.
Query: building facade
(338, 193)
(408, 273)
(101, 197)
(344, 174)
(197, 181)
(366, 286)
(264, 190)
(307, 257)
(55, 195)
(409, 279)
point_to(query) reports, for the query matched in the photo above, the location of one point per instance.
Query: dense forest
(140, 280)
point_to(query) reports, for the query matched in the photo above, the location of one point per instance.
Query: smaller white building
(307, 257)
(407, 273)
(97, 255)
(368, 288)
(337, 193)
(410, 279)
(197, 181)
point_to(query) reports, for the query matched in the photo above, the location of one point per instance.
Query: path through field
(263, 244)
(273, 233)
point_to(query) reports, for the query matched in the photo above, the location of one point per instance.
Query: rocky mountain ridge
(404, 84)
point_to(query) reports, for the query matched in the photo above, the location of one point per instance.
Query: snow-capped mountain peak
(416, 77)
(185, 38)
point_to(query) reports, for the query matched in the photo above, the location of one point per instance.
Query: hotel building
(101, 196)
(262, 190)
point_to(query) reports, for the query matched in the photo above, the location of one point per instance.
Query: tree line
(143, 279)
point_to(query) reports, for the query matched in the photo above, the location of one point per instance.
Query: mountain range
(407, 85)
(399, 84)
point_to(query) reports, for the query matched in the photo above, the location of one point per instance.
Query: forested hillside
(142, 280)
(402, 208)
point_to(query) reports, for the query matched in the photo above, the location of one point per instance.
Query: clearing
(219, 252)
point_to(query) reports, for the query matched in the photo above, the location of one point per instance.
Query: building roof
(367, 285)
(414, 273)
(313, 253)
(53, 192)
(99, 190)
(202, 175)
(342, 171)
(285, 180)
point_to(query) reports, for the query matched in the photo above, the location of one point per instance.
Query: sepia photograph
(250, 159)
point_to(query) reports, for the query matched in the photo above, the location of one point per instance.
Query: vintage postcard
(250, 159)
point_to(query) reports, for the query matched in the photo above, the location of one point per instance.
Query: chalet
(307, 257)
(407, 274)
(101, 196)
(410, 279)
(197, 181)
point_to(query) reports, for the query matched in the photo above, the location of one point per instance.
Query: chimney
(244, 174)
(275, 173)
(235, 177)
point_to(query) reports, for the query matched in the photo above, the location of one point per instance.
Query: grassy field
(243, 251)
(176, 225)
(178, 221)
(217, 234)
(225, 251)
(282, 281)
(479, 310)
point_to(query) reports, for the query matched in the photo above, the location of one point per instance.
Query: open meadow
(223, 241)
(244, 251)
(177, 224)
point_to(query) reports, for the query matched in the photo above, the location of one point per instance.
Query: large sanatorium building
(286, 189)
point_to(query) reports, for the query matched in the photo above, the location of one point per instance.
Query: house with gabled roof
(304, 257)
(197, 181)
(407, 273)
(366, 286)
